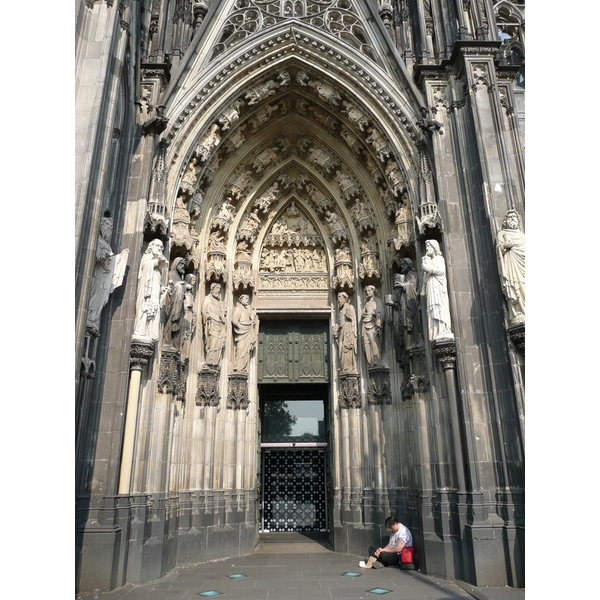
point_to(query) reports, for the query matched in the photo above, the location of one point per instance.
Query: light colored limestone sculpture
(108, 274)
(435, 288)
(372, 326)
(379, 143)
(244, 334)
(260, 92)
(215, 332)
(355, 115)
(345, 332)
(510, 249)
(147, 315)
(208, 143)
(326, 92)
(231, 114)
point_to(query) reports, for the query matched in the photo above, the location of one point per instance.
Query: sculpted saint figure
(108, 274)
(372, 326)
(406, 283)
(173, 304)
(435, 288)
(147, 316)
(346, 334)
(215, 332)
(510, 249)
(243, 334)
(188, 324)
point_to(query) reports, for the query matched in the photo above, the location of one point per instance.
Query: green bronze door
(293, 352)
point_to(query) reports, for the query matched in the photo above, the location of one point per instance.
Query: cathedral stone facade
(300, 281)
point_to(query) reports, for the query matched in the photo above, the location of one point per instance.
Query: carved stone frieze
(263, 203)
(207, 392)
(237, 393)
(261, 92)
(392, 171)
(293, 281)
(168, 375)
(380, 390)
(326, 92)
(349, 393)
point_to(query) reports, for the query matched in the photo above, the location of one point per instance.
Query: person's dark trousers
(389, 559)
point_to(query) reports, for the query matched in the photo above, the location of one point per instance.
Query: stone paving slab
(299, 572)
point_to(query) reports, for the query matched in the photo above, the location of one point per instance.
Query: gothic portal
(300, 281)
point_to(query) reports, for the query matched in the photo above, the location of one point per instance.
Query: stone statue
(147, 315)
(208, 143)
(510, 249)
(435, 289)
(406, 283)
(244, 334)
(108, 274)
(188, 323)
(173, 304)
(215, 332)
(372, 326)
(346, 334)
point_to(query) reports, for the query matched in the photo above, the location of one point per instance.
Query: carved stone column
(445, 352)
(141, 353)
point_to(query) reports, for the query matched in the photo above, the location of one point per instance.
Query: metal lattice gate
(294, 490)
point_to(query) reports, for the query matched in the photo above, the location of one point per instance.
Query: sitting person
(399, 549)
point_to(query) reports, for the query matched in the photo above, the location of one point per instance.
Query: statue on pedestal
(372, 326)
(406, 283)
(188, 324)
(215, 332)
(244, 334)
(174, 304)
(346, 334)
(435, 288)
(147, 315)
(510, 249)
(108, 274)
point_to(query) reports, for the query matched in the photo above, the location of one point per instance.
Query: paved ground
(309, 571)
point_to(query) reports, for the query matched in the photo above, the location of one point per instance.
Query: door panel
(294, 491)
